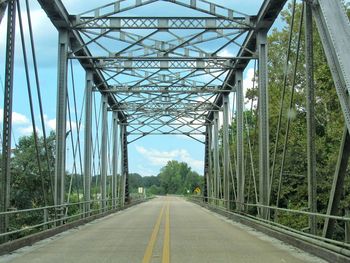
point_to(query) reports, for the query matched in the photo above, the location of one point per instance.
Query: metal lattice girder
(166, 133)
(165, 89)
(117, 23)
(168, 63)
(155, 118)
(164, 107)
(135, 124)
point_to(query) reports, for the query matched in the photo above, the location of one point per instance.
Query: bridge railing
(29, 221)
(243, 214)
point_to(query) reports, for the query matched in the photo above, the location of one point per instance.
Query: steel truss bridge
(173, 75)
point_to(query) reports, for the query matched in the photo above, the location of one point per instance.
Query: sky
(147, 155)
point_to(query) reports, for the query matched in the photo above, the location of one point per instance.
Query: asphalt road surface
(163, 230)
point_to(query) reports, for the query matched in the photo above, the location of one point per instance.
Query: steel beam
(88, 142)
(240, 136)
(206, 166)
(104, 149)
(216, 155)
(226, 146)
(264, 162)
(127, 90)
(115, 160)
(169, 63)
(125, 195)
(210, 161)
(338, 184)
(331, 18)
(5, 180)
(61, 119)
(310, 117)
(163, 23)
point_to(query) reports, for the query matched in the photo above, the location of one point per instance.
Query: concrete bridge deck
(166, 229)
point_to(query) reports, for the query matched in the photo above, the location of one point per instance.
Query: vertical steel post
(125, 196)
(104, 161)
(61, 119)
(240, 136)
(210, 157)
(122, 174)
(88, 143)
(264, 162)
(216, 154)
(310, 117)
(206, 165)
(5, 180)
(115, 159)
(225, 142)
(126, 165)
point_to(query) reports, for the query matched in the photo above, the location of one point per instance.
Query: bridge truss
(173, 76)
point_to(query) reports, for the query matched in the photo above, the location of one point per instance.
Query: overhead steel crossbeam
(158, 23)
(167, 107)
(183, 89)
(164, 64)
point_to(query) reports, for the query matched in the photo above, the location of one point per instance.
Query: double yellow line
(166, 242)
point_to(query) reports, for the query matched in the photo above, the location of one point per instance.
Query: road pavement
(163, 230)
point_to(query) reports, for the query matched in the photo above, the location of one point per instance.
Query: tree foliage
(178, 178)
(27, 183)
(329, 125)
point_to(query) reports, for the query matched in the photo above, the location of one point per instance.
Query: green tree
(178, 178)
(329, 124)
(28, 185)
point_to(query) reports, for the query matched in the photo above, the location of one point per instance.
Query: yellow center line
(166, 242)
(149, 250)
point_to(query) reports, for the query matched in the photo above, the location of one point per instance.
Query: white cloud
(160, 158)
(248, 80)
(51, 124)
(226, 53)
(143, 171)
(27, 130)
(17, 118)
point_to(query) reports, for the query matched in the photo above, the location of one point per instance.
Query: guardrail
(29, 221)
(219, 205)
